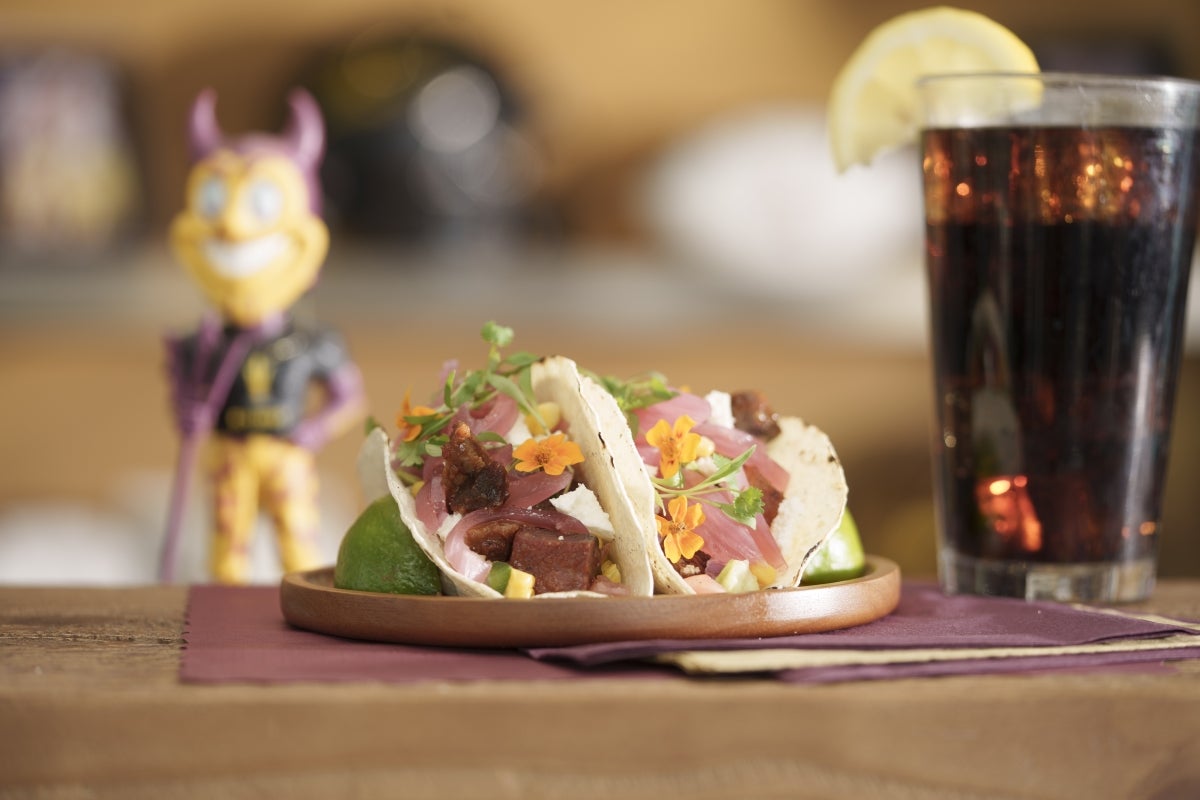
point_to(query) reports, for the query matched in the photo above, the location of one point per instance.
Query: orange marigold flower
(410, 430)
(679, 537)
(552, 454)
(676, 444)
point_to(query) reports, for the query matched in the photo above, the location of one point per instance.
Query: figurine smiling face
(249, 235)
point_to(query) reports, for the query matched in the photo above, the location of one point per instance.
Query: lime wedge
(378, 554)
(840, 557)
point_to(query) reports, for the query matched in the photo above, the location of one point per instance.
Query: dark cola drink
(1058, 262)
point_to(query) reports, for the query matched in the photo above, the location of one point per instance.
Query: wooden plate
(310, 601)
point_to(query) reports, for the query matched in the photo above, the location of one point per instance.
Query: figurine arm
(343, 406)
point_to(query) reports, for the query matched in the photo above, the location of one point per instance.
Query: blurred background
(636, 185)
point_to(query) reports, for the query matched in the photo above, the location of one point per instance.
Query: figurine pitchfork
(197, 408)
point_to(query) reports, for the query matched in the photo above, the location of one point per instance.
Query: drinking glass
(1060, 219)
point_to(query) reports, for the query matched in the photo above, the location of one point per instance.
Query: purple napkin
(925, 618)
(238, 634)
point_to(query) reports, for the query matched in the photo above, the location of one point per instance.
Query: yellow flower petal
(677, 508)
(659, 434)
(552, 454)
(689, 543)
(408, 430)
(671, 548)
(676, 444)
(678, 538)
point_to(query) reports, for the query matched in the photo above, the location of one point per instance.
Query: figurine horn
(204, 134)
(305, 131)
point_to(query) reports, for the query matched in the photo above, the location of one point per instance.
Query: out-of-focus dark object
(1107, 54)
(426, 143)
(68, 176)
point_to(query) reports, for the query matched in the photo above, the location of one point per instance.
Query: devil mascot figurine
(252, 239)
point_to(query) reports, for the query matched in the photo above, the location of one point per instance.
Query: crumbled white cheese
(519, 433)
(581, 503)
(722, 408)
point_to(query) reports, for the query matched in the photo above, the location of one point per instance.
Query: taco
(728, 495)
(506, 483)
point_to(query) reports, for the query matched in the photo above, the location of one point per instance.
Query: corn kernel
(764, 573)
(520, 584)
(550, 413)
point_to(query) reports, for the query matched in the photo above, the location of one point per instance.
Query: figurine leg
(236, 489)
(290, 494)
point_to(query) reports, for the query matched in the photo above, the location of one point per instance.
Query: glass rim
(1091, 79)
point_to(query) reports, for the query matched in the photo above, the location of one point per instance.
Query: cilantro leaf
(746, 505)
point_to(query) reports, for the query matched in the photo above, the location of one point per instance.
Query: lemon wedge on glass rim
(873, 103)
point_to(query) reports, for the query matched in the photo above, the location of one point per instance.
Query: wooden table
(91, 706)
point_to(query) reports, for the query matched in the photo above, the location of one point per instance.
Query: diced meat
(471, 478)
(771, 496)
(754, 415)
(559, 562)
(493, 539)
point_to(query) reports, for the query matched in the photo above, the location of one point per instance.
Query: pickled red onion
(464, 559)
(526, 490)
(731, 443)
(726, 539)
(431, 503)
(670, 410)
(498, 415)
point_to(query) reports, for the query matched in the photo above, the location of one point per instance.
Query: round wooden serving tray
(310, 601)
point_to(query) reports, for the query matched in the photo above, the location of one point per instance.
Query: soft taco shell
(377, 478)
(558, 380)
(816, 495)
(811, 510)
(635, 481)
(555, 380)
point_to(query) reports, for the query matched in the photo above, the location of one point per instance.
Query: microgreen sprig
(508, 375)
(747, 503)
(639, 392)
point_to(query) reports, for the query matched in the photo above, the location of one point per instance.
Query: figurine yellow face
(247, 236)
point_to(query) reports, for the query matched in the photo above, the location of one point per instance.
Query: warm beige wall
(609, 82)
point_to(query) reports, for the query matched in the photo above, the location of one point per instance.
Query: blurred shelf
(619, 291)
(610, 290)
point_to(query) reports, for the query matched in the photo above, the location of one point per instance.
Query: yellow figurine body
(252, 239)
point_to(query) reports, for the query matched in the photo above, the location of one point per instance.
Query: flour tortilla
(558, 380)
(554, 380)
(815, 498)
(811, 510)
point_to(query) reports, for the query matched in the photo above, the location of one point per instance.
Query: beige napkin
(775, 660)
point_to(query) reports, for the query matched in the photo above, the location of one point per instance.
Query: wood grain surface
(90, 706)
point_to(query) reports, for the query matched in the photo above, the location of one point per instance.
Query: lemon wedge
(873, 103)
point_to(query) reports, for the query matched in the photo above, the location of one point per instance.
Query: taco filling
(731, 496)
(503, 481)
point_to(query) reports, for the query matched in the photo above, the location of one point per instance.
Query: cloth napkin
(928, 634)
(239, 634)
